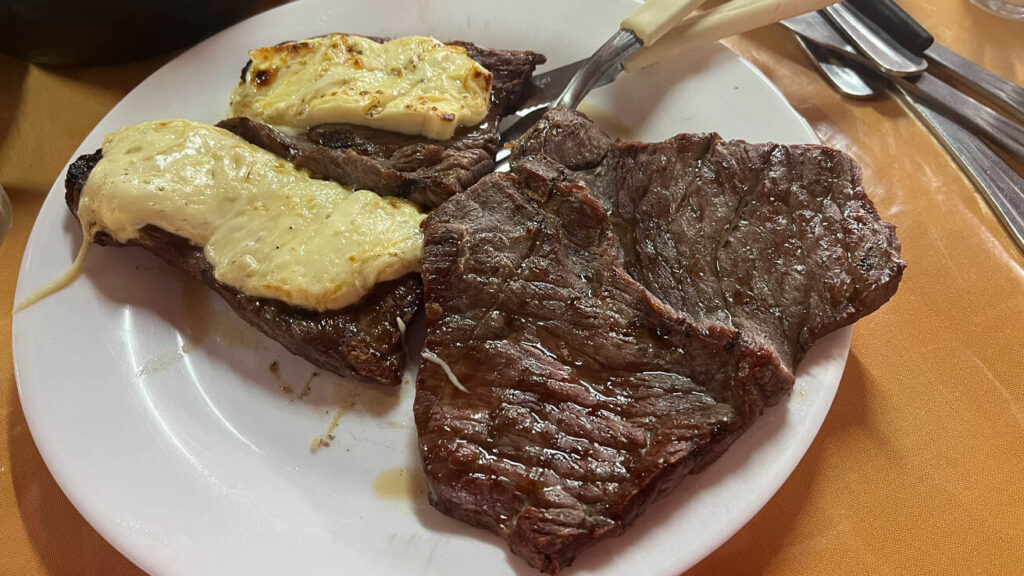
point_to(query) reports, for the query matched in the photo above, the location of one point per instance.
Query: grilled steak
(778, 241)
(424, 170)
(588, 307)
(363, 338)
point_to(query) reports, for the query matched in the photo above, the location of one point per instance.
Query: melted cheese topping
(268, 228)
(413, 85)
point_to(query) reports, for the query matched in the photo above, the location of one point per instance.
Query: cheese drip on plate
(413, 85)
(267, 228)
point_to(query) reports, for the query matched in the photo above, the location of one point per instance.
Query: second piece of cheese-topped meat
(561, 390)
(426, 170)
(328, 272)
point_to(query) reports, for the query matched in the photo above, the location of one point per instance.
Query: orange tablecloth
(919, 467)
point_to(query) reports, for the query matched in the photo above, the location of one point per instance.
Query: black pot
(60, 32)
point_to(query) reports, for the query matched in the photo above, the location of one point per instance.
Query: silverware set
(867, 47)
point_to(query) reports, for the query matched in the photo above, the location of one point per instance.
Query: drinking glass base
(1001, 8)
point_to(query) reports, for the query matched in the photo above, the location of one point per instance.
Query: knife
(657, 30)
(902, 27)
(710, 26)
(983, 120)
(568, 85)
(998, 183)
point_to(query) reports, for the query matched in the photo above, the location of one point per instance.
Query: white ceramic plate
(158, 413)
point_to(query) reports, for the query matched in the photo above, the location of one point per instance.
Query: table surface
(919, 467)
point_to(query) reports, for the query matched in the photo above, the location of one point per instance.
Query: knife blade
(544, 91)
(544, 88)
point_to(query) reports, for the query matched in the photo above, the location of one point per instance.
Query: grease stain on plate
(399, 484)
(608, 121)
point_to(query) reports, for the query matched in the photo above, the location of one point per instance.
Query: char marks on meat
(619, 313)
(778, 241)
(363, 339)
(424, 170)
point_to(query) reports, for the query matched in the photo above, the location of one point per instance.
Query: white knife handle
(729, 19)
(656, 17)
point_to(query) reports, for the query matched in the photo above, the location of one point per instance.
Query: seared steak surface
(424, 170)
(777, 241)
(588, 303)
(363, 339)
